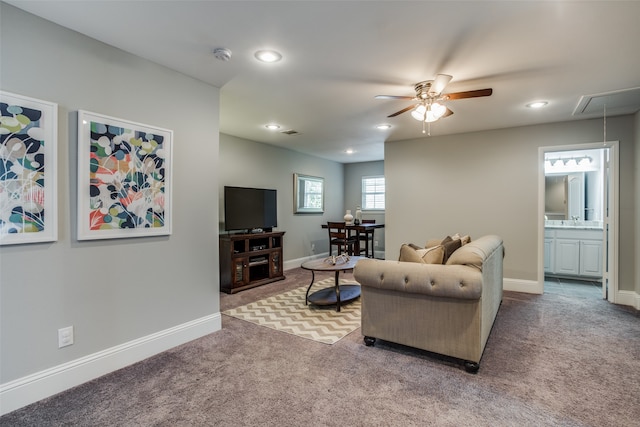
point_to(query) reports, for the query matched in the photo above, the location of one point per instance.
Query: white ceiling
(339, 55)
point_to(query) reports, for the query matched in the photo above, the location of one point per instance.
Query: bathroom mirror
(555, 197)
(565, 196)
(574, 183)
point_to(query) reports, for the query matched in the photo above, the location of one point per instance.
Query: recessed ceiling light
(537, 104)
(268, 56)
(272, 126)
(349, 151)
(383, 127)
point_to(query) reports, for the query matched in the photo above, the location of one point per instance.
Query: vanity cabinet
(567, 257)
(591, 258)
(573, 252)
(549, 251)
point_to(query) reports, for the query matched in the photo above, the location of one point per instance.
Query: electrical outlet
(65, 336)
(313, 246)
(375, 243)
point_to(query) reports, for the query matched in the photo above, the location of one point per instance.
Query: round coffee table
(337, 294)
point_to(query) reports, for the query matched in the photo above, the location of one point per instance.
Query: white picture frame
(124, 178)
(28, 170)
(308, 194)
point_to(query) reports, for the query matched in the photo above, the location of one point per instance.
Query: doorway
(578, 202)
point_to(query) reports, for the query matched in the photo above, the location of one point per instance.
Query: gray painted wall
(487, 183)
(111, 291)
(247, 163)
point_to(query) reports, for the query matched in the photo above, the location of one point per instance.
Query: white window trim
(363, 194)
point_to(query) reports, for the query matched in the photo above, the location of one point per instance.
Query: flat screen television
(250, 209)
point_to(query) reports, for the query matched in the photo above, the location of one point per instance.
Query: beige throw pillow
(432, 242)
(433, 255)
(409, 254)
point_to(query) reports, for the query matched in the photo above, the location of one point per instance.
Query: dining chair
(339, 237)
(367, 237)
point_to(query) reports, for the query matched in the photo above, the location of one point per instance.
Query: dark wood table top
(360, 227)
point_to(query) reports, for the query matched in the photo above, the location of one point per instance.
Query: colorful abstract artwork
(124, 178)
(28, 144)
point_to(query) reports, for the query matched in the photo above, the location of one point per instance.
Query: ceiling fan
(429, 97)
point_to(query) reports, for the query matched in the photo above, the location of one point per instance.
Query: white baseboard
(295, 263)
(519, 285)
(26, 390)
(629, 298)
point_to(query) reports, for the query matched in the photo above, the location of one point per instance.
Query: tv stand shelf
(250, 260)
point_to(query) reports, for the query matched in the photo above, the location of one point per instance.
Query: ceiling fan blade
(468, 94)
(404, 110)
(447, 113)
(439, 83)
(393, 97)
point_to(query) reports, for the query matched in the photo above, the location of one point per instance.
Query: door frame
(610, 240)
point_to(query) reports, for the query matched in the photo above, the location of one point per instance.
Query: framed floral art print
(28, 170)
(124, 178)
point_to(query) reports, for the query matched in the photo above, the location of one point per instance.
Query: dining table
(355, 230)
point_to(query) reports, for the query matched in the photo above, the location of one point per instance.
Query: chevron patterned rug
(287, 312)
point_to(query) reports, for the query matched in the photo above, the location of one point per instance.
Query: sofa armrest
(450, 281)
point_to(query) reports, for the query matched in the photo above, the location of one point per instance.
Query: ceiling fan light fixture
(418, 112)
(438, 110)
(433, 112)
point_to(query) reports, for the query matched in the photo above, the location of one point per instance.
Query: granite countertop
(573, 225)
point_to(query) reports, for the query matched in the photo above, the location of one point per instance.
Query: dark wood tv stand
(250, 260)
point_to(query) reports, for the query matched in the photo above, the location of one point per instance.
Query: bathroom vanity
(573, 249)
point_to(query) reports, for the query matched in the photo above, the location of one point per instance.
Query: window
(373, 192)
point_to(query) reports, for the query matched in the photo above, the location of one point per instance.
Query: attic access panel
(625, 101)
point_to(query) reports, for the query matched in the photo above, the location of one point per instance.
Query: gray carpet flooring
(558, 359)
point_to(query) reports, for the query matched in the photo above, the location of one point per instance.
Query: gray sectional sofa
(442, 308)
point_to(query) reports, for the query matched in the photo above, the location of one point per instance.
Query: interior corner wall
(249, 163)
(487, 183)
(353, 174)
(118, 290)
(637, 200)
